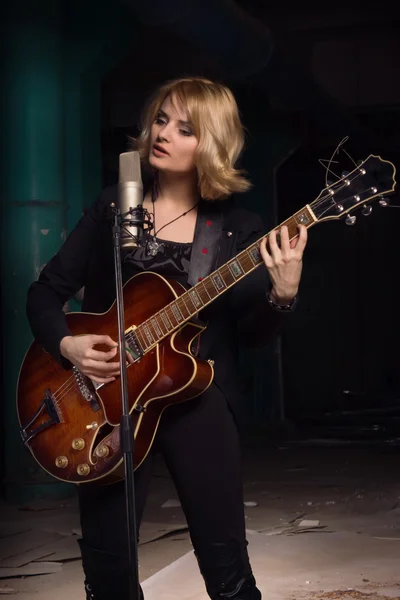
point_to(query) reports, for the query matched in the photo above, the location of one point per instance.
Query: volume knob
(102, 451)
(78, 444)
(83, 470)
(61, 462)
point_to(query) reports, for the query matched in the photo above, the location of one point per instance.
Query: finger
(301, 240)
(265, 255)
(101, 379)
(130, 358)
(274, 249)
(99, 373)
(107, 368)
(103, 339)
(284, 239)
(99, 367)
(102, 356)
(303, 237)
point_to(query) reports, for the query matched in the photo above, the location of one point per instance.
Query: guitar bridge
(48, 406)
(85, 384)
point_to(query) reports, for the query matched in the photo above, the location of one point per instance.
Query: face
(172, 141)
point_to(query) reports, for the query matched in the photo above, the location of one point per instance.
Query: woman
(191, 139)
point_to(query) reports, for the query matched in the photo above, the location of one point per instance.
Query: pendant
(152, 246)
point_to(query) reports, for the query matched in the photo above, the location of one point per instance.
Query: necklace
(152, 244)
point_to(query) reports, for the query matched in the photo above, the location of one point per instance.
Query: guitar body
(72, 428)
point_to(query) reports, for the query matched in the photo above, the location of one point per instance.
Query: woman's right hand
(79, 350)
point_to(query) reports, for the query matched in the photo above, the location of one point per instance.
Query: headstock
(373, 178)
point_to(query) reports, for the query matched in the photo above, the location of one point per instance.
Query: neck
(177, 190)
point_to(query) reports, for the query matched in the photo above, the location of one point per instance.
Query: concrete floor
(351, 490)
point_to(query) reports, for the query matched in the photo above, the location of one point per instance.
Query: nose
(162, 138)
(164, 133)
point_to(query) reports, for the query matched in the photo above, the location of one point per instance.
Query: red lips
(159, 148)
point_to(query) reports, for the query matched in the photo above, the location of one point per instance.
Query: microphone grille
(129, 167)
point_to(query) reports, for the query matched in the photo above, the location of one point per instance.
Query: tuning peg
(367, 210)
(350, 220)
(339, 208)
(383, 201)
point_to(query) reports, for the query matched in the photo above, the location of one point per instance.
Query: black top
(172, 259)
(86, 260)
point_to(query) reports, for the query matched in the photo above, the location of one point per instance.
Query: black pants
(200, 445)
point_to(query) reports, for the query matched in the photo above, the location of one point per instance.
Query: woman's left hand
(284, 262)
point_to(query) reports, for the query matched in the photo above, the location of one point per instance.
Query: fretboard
(186, 306)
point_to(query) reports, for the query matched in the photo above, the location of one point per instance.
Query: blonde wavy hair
(214, 117)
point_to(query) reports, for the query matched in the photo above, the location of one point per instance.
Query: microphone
(130, 200)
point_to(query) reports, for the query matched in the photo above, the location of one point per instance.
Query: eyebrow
(164, 114)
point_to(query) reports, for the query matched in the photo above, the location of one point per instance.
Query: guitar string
(128, 337)
(68, 386)
(317, 203)
(71, 382)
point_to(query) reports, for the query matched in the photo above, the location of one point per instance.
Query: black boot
(226, 571)
(106, 575)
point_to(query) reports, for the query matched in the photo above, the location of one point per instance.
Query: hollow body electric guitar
(71, 425)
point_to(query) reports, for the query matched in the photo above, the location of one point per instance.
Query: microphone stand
(126, 429)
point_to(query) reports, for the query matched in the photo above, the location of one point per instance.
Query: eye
(160, 120)
(186, 132)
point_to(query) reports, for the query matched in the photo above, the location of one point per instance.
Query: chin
(156, 162)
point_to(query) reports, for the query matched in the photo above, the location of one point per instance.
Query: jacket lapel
(206, 241)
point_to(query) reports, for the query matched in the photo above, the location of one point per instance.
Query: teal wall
(56, 54)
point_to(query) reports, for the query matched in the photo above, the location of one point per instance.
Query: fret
(203, 292)
(160, 325)
(176, 312)
(148, 334)
(227, 275)
(167, 323)
(211, 291)
(151, 329)
(255, 255)
(156, 327)
(182, 305)
(246, 263)
(171, 316)
(186, 313)
(218, 281)
(235, 268)
(189, 303)
(195, 298)
(140, 337)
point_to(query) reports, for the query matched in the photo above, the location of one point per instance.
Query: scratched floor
(323, 520)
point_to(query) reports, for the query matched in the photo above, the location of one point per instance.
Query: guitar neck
(186, 306)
